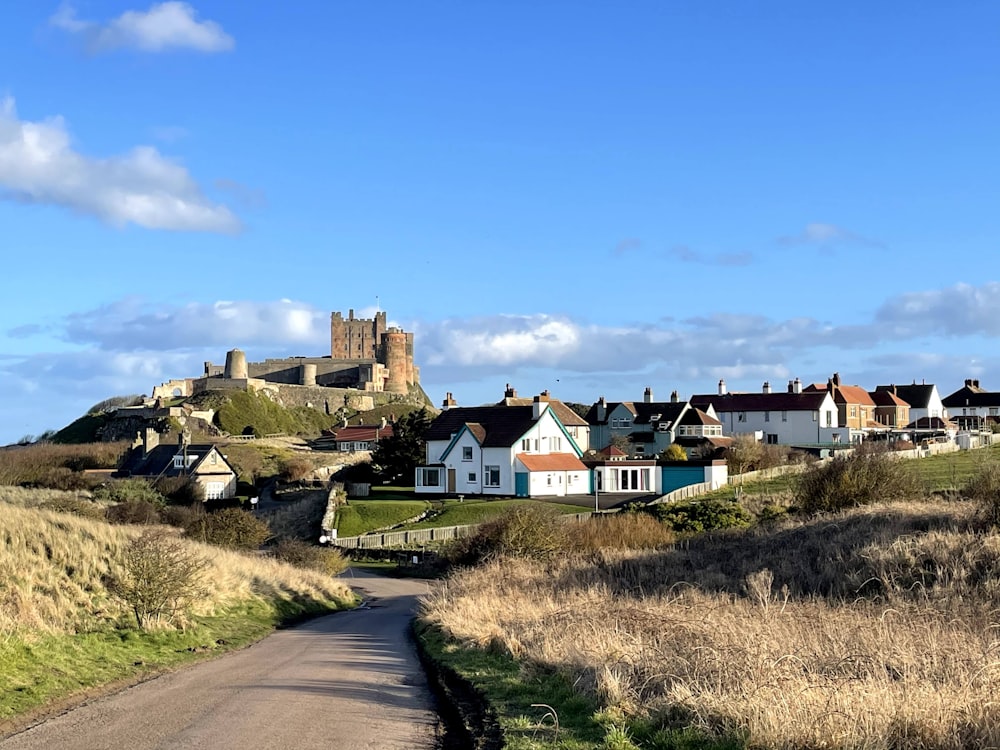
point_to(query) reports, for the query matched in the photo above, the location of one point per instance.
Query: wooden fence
(384, 539)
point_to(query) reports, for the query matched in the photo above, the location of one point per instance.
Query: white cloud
(959, 310)
(133, 325)
(142, 187)
(167, 25)
(826, 235)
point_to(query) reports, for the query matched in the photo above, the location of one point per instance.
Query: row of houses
(542, 447)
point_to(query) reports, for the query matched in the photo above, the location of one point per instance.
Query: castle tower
(411, 375)
(307, 374)
(395, 361)
(356, 338)
(236, 365)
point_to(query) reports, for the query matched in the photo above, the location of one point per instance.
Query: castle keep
(365, 354)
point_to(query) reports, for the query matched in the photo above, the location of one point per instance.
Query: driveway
(348, 680)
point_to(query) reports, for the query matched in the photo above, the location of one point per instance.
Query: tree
(397, 455)
(158, 577)
(674, 452)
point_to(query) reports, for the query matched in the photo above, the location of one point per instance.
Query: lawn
(362, 516)
(456, 513)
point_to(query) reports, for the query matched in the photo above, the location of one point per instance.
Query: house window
(815, 415)
(213, 458)
(549, 480)
(179, 459)
(784, 416)
(767, 416)
(526, 445)
(491, 476)
(467, 453)
(555, 444)
(742, 416)
(429, 478)
(772, 439)
(854, 411)
(640, 449)
(829, 419)
(215, 490)
(836, 437)
(993, 411)
(472, 477)
(621, 423)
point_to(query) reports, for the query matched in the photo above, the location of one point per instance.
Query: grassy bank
(63, 629)
(870, 628)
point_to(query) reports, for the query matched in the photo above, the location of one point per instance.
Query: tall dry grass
(875, 628)
(39, 462)
(54, 568)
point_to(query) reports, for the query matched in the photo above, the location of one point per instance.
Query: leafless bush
(984, 490)
(159, 577)
(230, 527)
(868, 475)
(526, 531)
(620, 531)
(301, 554)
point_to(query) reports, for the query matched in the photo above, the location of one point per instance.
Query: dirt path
(349, 680)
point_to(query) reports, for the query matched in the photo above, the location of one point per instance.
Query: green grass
(46, 668)
(455, 513)
(511, 687)
(362, 516)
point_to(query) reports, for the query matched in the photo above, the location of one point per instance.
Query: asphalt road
(348, 680)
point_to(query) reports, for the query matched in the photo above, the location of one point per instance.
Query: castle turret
(307, 374)
(394, 342)
(236, 365)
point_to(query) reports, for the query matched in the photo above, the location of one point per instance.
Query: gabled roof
(160, 461)
(362, 433)
(917, 396)
(971, 395)
(887, 398)
(642, 412)
(696, 416)
(500, 425)
(551, 462)
(775, 401)
(844, 394)
(566, 415)
(611, 451)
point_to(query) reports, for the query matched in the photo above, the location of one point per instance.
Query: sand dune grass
(875, 628)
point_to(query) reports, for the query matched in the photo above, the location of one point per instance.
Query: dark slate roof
(501, 425)
(642, 412)
(567, 416)
(696, 416)
(917, 396)
(775, 401)
(888, 398)
(971, 396)
(160, 461)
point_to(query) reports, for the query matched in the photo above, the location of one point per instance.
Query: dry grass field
(873, 628)
(54, 568)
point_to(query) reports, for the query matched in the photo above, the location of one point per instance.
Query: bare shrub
(234, 528)
(75, 505)
(866, 476)
(328, 560)
(526, 531)
(295, 469)
(139, 512)
(29, 464)
(984, 490)
(619, 531)
(159, 577)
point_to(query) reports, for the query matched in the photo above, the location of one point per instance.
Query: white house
(649, 425)
(791, 417)
(524, 451)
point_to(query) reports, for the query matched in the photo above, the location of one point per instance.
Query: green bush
(125, 490)
(702, 515)
(866, 476)
(180, 490)
(230, 527)
(526, 531)
(295, 552)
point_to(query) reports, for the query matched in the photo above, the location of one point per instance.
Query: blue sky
(584, 197)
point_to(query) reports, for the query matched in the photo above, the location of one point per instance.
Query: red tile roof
(362, 433)
(551, 462)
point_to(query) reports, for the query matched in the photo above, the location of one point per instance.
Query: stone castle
(365, 355)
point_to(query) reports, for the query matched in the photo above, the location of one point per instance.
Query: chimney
(767, 387)
(790, 387)
(509, 392)
(796, 386)
(540, 404)
(836, 379)
(975, 383)
(968, 383)
(602, 409)
(674, 397)
(448, 402)
(383, 423)
(647, 395)
(722, 387)
(149, 438)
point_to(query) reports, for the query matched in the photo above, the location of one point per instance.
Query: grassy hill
(65, 630)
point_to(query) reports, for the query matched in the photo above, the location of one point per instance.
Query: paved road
(348, 680)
